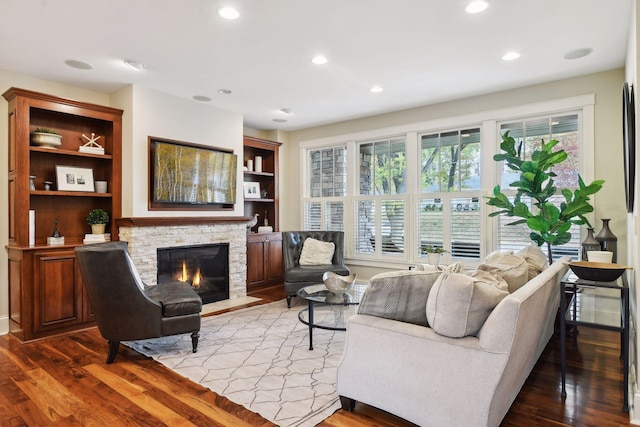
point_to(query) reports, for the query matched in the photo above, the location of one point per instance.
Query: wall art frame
(72, 178)
(187, 176)
(252, 190)
(629, 143)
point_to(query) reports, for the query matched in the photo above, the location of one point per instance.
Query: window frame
(489, 127)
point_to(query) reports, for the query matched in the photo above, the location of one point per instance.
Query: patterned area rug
(259, 357)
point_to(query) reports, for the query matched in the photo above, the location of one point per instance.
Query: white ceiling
(420, 51)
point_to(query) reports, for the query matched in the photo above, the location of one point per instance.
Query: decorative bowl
(46, 140)
(338, 284)
(597, 271)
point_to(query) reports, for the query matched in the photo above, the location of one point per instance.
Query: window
(327, 187)
(380, 220)
(449, 212)
(565, 129)
(425, 188)
(383, 167)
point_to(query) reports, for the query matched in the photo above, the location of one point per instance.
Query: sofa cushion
(399, 295)
(176, 298)
(512, 268)
(313, 273)
(458, 304)
(535, 258)
(316, 252)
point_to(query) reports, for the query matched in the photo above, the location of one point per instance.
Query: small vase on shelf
(608, 240)
(589, 243)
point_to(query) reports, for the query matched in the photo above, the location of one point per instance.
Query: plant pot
(97, 228)
(46, 140)
(433, 258)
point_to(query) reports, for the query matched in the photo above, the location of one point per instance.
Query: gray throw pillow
(399, 295)
(458, 305)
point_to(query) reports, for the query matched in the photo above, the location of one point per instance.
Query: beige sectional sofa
(394, 362)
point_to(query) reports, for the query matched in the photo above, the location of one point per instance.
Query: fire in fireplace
(204, 267)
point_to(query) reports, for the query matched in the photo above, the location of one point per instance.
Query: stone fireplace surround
(145, 235)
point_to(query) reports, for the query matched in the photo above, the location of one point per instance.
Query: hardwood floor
(64, 381)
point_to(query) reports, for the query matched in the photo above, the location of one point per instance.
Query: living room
(150, 112)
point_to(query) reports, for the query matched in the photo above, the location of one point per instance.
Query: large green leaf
(550, 223)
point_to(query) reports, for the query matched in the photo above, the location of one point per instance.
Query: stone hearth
(146, 235)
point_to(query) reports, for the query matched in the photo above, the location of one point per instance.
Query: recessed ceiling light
(510, 56)
(319, 60)
(224, 91)
(80, 65)
(201, 98)
(280, 120)
(577, 53)
(477, 6)
(376, 89)
(228, 13)
(138, 66)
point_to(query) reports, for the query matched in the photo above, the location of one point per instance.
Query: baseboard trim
(4, 325)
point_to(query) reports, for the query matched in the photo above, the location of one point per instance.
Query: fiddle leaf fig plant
(548, 222)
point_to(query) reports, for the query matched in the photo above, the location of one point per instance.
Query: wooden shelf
(63, 152)
(55, 193)
(46, 293)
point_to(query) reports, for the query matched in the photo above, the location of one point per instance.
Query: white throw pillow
(535, 258)
(512, 268)
(458, 305)
(456, 267)
(316, 252)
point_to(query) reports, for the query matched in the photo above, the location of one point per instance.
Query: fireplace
(204, 267)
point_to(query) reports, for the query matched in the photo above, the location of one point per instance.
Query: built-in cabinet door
(274, 269)
(57, 291)
(255, 261)
(264, 259)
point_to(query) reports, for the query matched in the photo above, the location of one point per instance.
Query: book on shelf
(92, 150)
(97, 238)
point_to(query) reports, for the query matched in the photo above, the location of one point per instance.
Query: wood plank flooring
(63, 381)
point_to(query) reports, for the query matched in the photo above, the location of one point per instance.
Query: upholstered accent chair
(297, 276)
(128, 310)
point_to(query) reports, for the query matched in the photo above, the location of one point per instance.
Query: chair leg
(289, 301)
(113, 351)
(194, 340)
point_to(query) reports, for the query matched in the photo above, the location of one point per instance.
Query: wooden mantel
(177, 220)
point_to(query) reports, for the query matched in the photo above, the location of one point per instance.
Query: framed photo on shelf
(252, 190)
(71, 178)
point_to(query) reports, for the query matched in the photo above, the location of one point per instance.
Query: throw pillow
(316, 252)
(399, 295)
(535, 258)
(456, 267)
(458, 305)
(512, 268)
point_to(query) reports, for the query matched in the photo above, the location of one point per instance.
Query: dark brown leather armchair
(298, 276)
(126, 309)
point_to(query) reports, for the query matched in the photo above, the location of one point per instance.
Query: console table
(573, 314)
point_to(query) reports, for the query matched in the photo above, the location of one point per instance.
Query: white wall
(631, 76)
(151, 113)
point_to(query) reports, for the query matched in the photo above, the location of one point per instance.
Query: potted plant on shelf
(434, 253)
(46, 137)
(548, 223)
(97, 219)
